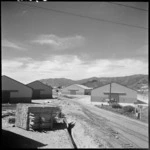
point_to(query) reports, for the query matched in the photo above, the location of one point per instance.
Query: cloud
(6, 43)
(70, 66)
(60, 43)
(124, 67)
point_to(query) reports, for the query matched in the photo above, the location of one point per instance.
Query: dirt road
(122, 131)
(94, 128)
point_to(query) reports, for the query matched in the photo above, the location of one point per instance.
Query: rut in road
(101, 124)
(126, 138)
(69, 127)
(129, 131)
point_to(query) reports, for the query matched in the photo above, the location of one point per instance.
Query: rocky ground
(92, 128)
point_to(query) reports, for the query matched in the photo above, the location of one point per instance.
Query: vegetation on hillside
(134, 81)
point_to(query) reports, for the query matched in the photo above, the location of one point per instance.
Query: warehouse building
(40, 90)
(113, 92)
(76, 89)
(14, 91)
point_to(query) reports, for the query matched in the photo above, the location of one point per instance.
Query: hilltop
(133, 81)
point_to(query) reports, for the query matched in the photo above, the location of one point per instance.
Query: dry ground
(94, 128)
(116, 130)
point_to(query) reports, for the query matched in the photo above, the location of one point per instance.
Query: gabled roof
(40, 83)
(16, 81)
(82, 86)
(116, 83)
(140, 102)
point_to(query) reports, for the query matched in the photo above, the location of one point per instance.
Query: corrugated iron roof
(116, 83)
(4, 76)
(82, 86)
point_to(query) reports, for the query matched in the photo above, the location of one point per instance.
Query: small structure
(144, 88)
(40, 90)
(113, 92)
(142, 99)
(76, 89)
(36, 116)
(14, 91)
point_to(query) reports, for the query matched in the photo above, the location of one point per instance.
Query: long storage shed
(14, 91)
(114, 92)
(76, 89)
(40, 90)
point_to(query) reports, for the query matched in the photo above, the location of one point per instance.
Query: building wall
(23, 91)
(97, 95)
(20, 100)
(45, 96)
(88, 91)
(130, 97)
(80, 91)
(45, 93)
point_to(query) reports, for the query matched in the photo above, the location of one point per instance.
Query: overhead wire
(129, 6)
(83, 16)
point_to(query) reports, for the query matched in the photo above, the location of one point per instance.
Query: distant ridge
(133, 81)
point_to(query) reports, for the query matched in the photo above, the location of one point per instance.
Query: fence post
(135, 110)
(140, 112)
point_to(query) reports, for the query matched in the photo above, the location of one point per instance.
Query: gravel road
(127, 132)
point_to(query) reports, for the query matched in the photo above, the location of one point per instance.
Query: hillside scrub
(116, 108)
(129, 109)
(134, 81)
(116, 105)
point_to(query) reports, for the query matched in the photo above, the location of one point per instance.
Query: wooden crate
(36, 116)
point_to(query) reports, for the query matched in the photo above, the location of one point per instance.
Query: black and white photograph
(74, 74)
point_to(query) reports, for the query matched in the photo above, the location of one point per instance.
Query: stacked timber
(36, 116)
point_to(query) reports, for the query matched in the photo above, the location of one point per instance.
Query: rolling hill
(133, 81)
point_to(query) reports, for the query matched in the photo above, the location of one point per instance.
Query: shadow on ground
(56, 126)
(12, 140)
(59, 126)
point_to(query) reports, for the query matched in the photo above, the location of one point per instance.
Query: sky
(38, 43)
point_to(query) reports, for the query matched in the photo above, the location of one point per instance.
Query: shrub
(11, 120)
(128, 108)
(116, 106)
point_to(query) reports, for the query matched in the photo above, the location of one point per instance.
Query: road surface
(130, 133)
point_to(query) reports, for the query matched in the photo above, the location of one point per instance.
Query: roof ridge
(41, 83)
(83, 86)
(16, 81)
(116, 83)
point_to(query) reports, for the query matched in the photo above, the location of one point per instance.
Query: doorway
(5, 96)
(36, 94)
(115, 97)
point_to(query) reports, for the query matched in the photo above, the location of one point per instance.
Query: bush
(116, 106)
(11, 120)
(128, 109)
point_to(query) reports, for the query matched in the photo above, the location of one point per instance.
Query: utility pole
(110, 93)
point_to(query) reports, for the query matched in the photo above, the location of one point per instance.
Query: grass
(144, 115)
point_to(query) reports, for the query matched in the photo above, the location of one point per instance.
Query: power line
(79, 15)
(128, 6)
